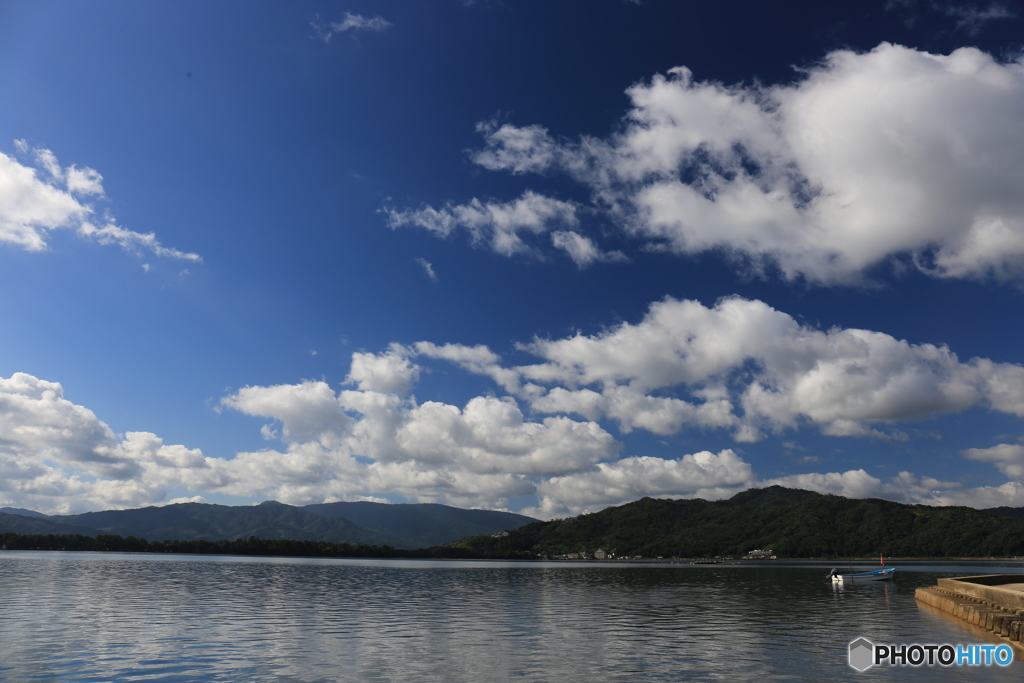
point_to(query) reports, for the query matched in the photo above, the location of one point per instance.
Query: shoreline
(419, 555)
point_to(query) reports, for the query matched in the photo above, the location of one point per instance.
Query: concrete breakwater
(994, 602)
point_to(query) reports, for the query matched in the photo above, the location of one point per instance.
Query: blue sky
(537, 256)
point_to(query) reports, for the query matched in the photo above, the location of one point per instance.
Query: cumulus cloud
(905, 487)
(476, 359)
(56, 456)
(499, 226)
(739, 365)
(850, 484)
(744, 365)
(349, 22)
(634, 409)
(307, 412)
(38, 423)
(1008, 458)
(389, 372)
(37, 200)
(541, 432)
(868, 156)
(376, 440)
(189, 499)
(632, 478)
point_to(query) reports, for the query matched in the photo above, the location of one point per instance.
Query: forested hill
(792, 523)
(37, 524)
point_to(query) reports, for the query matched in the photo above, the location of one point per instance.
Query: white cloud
(516, 149)
(389, 372)
(739, 365)
(56, 456)
(1010, 494)
(582, 250)
(490, 436)
(83, 181)
(428, 268)
(476, 359)
(376, 440)
(632, 478)
(850, 484)
(191, 499)
(634, 409)
(1008, 458)
(128, 239)
(309, 411)
(38, 424)
(868, 156)
(743, 354)
(31, 206)
(480, 455)
(349, 22)
(498, 226)
(904, 488)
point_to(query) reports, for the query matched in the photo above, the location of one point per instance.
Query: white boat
(884, 574)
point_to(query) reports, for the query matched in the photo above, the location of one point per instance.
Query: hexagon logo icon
(862, 653)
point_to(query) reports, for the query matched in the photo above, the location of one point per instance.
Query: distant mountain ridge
(195, 521)
(1006, 512)
(41, 524)
(426, 523)
(412, 525)
(22, 512)
(790, 522)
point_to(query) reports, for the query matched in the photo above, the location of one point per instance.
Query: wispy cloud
(428, 268)
(349, 22)
(582, 250)
(972, 18)
(501, 226)
(35, 200)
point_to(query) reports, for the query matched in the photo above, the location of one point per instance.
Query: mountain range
(788, 522)
(413, 525)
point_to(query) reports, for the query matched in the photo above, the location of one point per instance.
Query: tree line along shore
(775, 521)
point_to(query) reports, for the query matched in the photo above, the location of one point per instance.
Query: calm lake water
(103, 617)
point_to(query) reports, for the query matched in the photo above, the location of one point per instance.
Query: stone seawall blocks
(981, 602)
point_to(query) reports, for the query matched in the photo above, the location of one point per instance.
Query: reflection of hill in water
(231, 618)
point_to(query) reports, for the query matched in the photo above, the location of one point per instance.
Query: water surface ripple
(104, 617)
